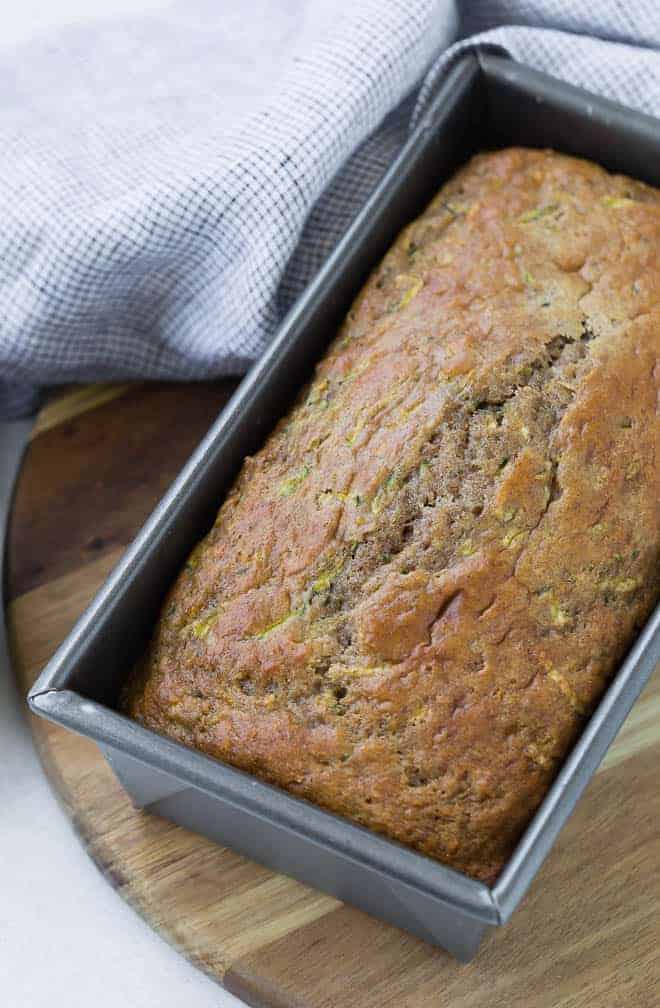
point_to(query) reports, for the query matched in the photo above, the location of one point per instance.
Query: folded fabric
(169, 184)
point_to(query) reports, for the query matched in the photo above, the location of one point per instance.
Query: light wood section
(73, 402)
(640, 731)
(587, 935)
(47, 614)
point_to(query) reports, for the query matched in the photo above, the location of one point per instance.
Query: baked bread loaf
(417, 590)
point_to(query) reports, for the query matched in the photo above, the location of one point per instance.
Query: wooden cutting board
(588, 934)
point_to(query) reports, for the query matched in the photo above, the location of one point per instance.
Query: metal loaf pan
(486, 102)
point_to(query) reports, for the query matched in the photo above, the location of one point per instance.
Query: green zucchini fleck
(289, 485)
(538, 212)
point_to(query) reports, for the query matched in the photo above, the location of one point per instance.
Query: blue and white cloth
(169, 183)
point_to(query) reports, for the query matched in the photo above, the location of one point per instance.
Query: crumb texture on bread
(417, 590)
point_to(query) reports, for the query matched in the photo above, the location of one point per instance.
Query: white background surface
(66, 938)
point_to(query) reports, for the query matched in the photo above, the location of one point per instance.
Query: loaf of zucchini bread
(417, 590)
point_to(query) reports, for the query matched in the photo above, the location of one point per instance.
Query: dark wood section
(88, 484)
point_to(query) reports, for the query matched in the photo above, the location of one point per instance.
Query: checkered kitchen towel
(169, 183)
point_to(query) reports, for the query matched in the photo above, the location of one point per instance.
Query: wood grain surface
(587, 935)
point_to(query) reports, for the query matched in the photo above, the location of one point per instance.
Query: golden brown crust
(417, 590)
